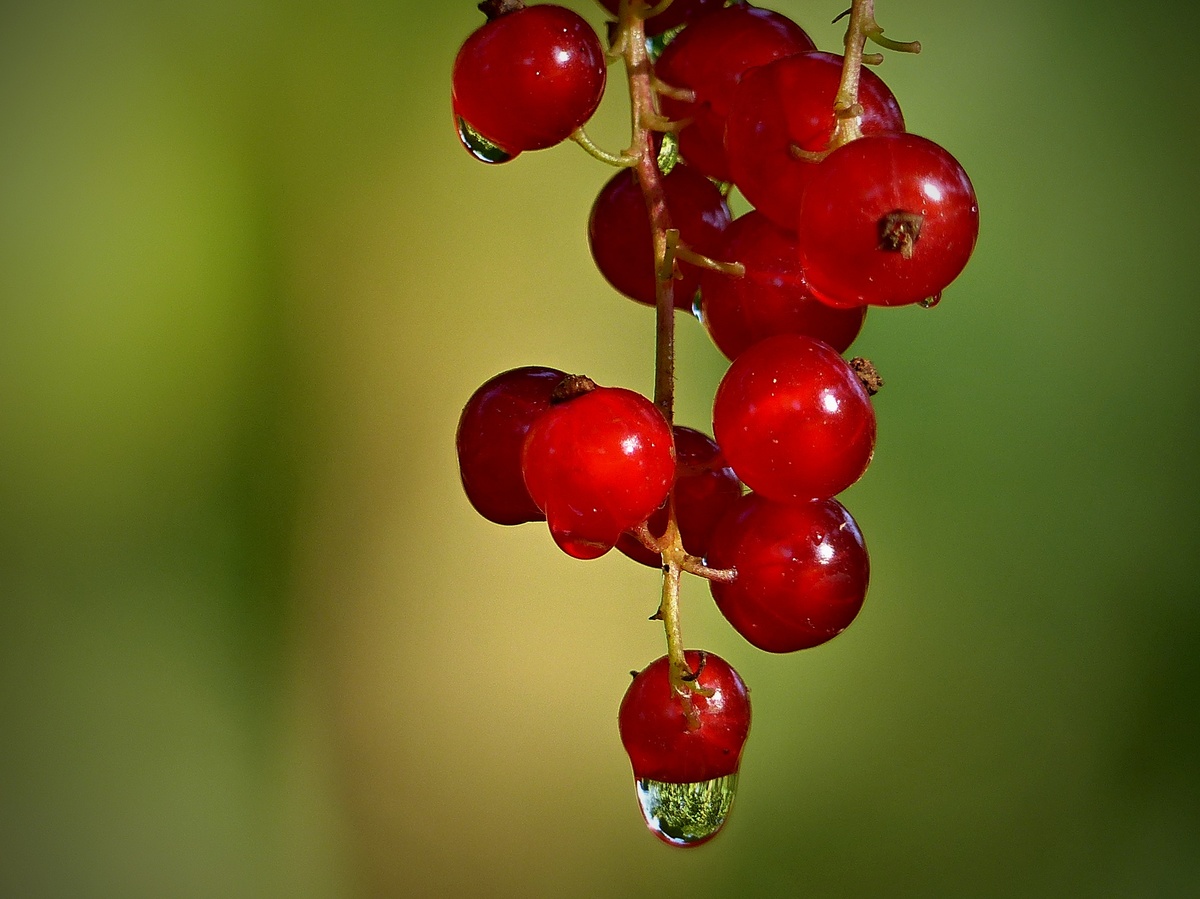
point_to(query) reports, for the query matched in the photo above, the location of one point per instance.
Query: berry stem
(621, 160)
(862, 26)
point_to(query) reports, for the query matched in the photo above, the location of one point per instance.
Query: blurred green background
(253, 640)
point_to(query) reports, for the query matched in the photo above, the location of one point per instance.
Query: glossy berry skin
(772, 297)
(526, 79)
(705, 489)
(598, 464)
(620, 238)
(787, 103)
(802, 571)
(845, 249)
(793, 419)
(663, 745)
(708, 58)
(678, 13)
(491, 437)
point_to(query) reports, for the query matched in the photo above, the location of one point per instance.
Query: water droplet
(930, 302)
(686, 814)
(479, 146)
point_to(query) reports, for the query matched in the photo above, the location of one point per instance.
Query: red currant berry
(793, 419)
(525, 80)
(888, 220)
(678, 13)
(802, 571)
(597, 463)
(772, 296)
(705, 488)
(621, 241)
(686, 749)
(787, 105)
(708, 58)
(490, 438)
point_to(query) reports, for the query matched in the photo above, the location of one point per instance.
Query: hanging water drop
(687, 814)
(479, 146)
(930, 302)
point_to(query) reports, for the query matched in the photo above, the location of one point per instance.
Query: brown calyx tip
(493, 9)
(570, 387)
(867, 373)
(899, 232)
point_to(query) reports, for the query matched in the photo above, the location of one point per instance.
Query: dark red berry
(597, 464)
(490, 439)
(788, 104)
(705, 489)
(526, 79)
(708, 58)
(889, 219)
(620, 237)
(668, 745)
(793, 419)
(678, 13)
(802, 571)
(772, 296)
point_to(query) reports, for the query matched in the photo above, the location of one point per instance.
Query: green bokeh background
(254, 642)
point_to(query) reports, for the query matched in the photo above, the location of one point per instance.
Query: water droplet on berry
(930, 302)
(686, 814)
(479, 146)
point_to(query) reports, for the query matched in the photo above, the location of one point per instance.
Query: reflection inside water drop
(686, 814)
(930, 302)
(479, 146)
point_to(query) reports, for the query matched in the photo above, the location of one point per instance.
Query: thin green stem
(620, 160)
(862, 26)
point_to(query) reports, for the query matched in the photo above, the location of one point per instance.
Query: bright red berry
(793, 419)
(802, 571)
(490, 439)
(708, 58)
(787, 105)
(678, 13)
(686, 750)
(771, 297)
(889, 219)
(598, 462)
(621, 241)
(525, 80)
(705, 489)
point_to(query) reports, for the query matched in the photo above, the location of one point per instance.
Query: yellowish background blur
(255, 643)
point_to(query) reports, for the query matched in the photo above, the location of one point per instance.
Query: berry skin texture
(802, 571)
(705, 489)
(621, 241)
(490, 439)
(663, 745)
(598, 464)
(772, 296)
(789, 103)
(793, 419)
(527, 79)
(888, 219)
(708, 58)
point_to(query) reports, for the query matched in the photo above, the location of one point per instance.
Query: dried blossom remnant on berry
(570, 387)
(493, 9)
(899, 232)
(866, 372)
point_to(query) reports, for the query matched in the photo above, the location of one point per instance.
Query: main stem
(644, 111)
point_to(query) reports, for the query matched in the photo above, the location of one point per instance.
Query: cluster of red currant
(850, 210)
